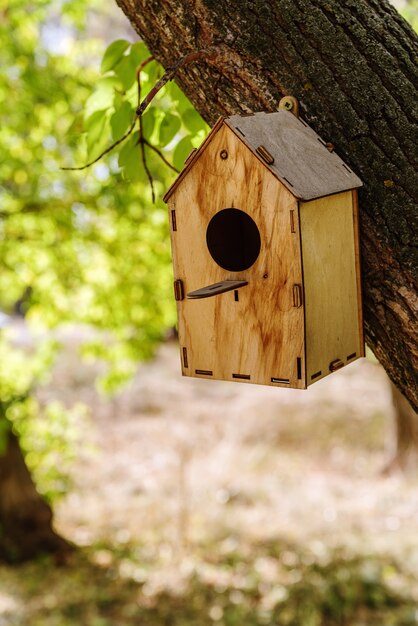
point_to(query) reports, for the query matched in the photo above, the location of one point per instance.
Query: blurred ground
(190, 458)
(219, 485)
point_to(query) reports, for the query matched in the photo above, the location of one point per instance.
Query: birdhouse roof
(299, 157)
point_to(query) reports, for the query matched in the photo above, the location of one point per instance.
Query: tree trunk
(352, 65)
(404, 438)
(25, 518)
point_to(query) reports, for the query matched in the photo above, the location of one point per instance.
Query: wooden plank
(358, 269)
(330, 284)
(258, 336)
(301, 160)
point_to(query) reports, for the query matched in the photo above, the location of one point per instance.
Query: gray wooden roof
(301, 160)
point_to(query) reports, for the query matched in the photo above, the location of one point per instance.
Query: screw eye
(223, 154)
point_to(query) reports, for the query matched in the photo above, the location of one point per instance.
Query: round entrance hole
(233, 240)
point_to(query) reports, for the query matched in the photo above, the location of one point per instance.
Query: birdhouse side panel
(329, 235)
(254, 333)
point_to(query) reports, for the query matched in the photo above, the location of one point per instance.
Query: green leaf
(199, 137)
(113, 54)
(169, 127)
(125, 71)
(182, 151)
(121, 120)
(97, 134)
(180, 101)
(130, 159)
(192, 121)
(152, 73)
(93, 120)
(138, 52)
(148, 123)
(102, 98)
(128, 148)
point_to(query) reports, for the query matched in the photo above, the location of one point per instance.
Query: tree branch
(168, 75)
(102, 154)
(141, 129)
(161, 155)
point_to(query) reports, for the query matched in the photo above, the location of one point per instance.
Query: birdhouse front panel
(231, 220)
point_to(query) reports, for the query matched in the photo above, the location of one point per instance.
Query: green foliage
(114, 54)
(169, 120)
(121, 120)
(89, 246)
(52, 438)
(409, 10)
(19, 372)
(49, 433)
(183, 148)
(85, 246)
(169, 127)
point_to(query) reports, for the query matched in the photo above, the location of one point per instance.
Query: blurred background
(129, 495)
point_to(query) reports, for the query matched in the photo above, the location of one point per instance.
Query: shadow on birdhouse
(264, 232)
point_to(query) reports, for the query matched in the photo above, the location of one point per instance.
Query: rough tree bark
(353, 66)
(25, 518)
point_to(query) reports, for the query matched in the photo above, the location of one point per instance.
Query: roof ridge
(299, 157)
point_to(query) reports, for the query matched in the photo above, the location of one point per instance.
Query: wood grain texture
(330, 283)
(261, 334)
(358, 270)
(301, 160)
(192, 158)
(214, 290)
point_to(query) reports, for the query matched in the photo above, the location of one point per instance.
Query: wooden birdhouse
(264, 231)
